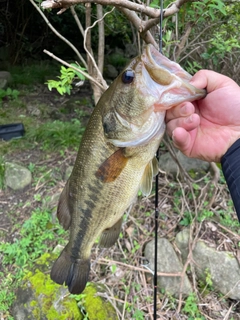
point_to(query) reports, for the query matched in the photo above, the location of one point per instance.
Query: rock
(5, 79)
(17, 177)
(167, 262)
(96, 306)
(68, 172)
(39, 298)
(221, 265)
(196, 168)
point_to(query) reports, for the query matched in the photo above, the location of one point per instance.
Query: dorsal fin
(111, 168)
(63, 213)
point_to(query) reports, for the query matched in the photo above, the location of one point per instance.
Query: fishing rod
(155, 280)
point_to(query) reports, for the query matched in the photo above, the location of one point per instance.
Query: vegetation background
(202, 34)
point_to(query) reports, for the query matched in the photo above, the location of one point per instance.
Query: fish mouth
(172, 77)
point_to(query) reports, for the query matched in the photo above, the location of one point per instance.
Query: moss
(96, 307)
(49, 303)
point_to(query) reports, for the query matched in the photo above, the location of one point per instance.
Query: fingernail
(183, 109)
(189, 119)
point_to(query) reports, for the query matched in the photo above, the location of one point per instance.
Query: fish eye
(128, 76)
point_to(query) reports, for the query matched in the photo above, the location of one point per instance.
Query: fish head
(136, 102)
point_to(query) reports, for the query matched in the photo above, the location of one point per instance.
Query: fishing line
(156, 193)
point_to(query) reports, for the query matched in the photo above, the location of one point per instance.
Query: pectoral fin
(63, 212)
(151, 170)
(110, 236)
(111, 168)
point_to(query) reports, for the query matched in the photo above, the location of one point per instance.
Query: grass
(57, 134)
(31, 74)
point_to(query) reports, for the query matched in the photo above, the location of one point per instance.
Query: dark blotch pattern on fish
(87, 212)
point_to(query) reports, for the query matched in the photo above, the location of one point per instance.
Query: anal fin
(63, 213)
(110, 235)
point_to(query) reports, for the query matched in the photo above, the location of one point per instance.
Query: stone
(168, 262)
(17, 177)
(5, 79)
(195, 167)
(222, 266)
(39, 298)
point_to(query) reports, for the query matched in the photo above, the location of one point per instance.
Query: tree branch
(86, 75)
(139, 25)
(59, 35)
(133, 6)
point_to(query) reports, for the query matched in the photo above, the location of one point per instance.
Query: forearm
(231, 170)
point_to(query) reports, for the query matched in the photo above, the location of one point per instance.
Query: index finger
(182, 110)
(210, 80)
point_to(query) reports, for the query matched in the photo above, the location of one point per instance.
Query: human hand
(205, 129)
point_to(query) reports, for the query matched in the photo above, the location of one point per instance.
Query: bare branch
(78, 22)
(59, 35)
(99, 75)
(137, 7)
(139, 25)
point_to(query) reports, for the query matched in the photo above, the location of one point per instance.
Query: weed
(139, 315)
(187, 219)
(6, 294)
(32, 242)
(31, 167)
(191, 308)
(207, 283)
(9, 94)
(136, 246)
(64, 84)
(205, 214)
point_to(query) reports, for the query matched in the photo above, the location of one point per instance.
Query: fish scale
(116, 158)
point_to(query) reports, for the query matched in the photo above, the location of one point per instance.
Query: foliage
(68, 75)
(213, 39)
(57, 135)
(8, 94)
(191, 308)
(32, 242)
(6, 296)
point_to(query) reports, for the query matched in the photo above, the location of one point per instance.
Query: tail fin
(73, 273)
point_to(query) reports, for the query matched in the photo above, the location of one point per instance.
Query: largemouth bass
(116, 158)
